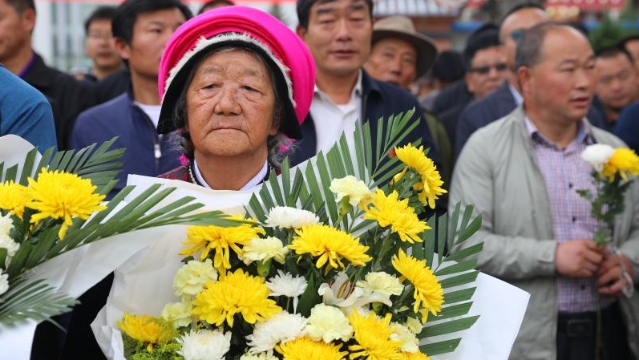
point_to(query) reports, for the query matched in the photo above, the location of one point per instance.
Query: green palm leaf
(310, 190)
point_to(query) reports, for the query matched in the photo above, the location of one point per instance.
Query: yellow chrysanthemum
(373, 337)
(623, 161)
(415, 356)
(146, 329)
(430, 187)
(329, 245)
(14, 198)
(390, 211)
(428, 290)
(236, 293)
(307, 349)
(60, 195)
(220, 239)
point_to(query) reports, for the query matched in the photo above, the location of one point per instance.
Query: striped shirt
(565, 172)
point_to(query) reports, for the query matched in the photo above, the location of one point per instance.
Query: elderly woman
(236, 83)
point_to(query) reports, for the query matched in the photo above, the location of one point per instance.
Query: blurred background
(59, 34)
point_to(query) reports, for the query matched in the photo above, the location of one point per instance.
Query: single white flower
(6, 224)
(346, 295)
(178, 313)
(288, 217)
(260, 356)
(350, 187)
(286, 285)
(4, 283)
(264, 249)
(597, 155)
(381, 283)
(191, 278)
(408, 339)
(280, 328)
(414, 325)
(204, 345)
(328, 323)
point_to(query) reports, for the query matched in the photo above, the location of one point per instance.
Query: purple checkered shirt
(565, 171)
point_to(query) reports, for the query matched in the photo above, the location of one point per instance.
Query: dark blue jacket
(494, 106)
(627, 127)
(379, 100)
(146, 152)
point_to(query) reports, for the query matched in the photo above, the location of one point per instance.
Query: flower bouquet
(329, 260)
(53, 204)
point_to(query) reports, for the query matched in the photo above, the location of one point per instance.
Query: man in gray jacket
(522, 173)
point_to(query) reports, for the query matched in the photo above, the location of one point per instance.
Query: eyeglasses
(517, 34)
(483, 70)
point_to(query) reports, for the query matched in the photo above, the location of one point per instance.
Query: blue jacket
(25, 112)
(146, 152)
(379, 100)
(627, 127)
(493, 106)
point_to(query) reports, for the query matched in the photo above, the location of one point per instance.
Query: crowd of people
(505, 120)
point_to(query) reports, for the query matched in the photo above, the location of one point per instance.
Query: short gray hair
(279, 145)
(531, 43)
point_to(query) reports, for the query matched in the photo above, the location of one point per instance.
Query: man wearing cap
(398, 56)
(338, 33)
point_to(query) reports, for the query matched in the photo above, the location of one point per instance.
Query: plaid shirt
(565, 172)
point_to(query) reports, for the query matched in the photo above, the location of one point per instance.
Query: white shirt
(518, 99)
(152, 111)
(331, 120)
(252, 183)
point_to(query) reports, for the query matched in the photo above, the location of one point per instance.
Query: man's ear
(123, 49)
(301, 32)
(29, 19)
(469, 83)
(523, 78)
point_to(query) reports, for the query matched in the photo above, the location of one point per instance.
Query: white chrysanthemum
(406, 337)
(328, 323)
(355, 190)
(280, 328)
(4, 283)
(204, 345)
(286, 285)
(178, 313)
(6, 224)
(414, 325)
(260, 356)
(191, 278)
(381, 283)
(597, 155)
(264, 249)
(288, 217)
(344, 294)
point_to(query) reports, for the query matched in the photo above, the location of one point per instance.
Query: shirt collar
(256, 180)
(516, 95)
(357, 90)
(584, 133)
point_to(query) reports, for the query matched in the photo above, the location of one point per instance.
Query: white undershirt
(252, 183)
(331, 120)
(152, 111)
(516, 95)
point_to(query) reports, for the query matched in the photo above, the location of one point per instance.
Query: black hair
(484, 40)
(304, 10)
(127, 13)
(612, 51)
(21, 5)
(628, 39)
(212, 3)
(101, 13)
(448, 66)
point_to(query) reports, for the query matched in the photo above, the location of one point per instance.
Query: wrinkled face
(487, 72)
(393, 60)
(99, 45)
(616, 82)
(338, 35)
(15, 30)
(561, 85)
(230, 106)
(513, 27)
(151, 32)
(633, 48)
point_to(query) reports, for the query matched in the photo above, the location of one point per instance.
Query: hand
(578, 258)
(609, 276)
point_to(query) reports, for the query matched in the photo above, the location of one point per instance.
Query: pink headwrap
(233, 25)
